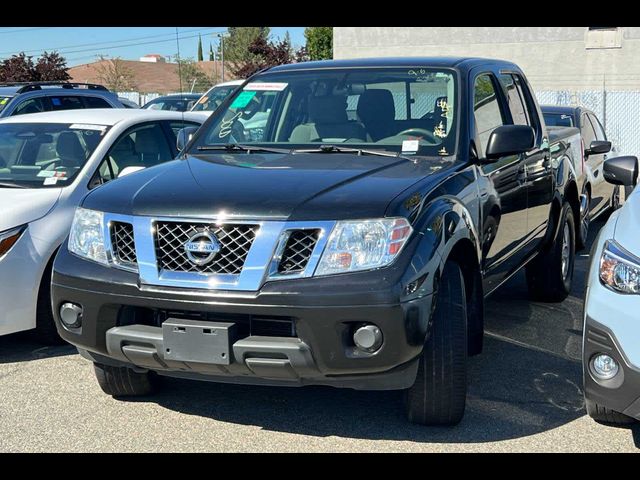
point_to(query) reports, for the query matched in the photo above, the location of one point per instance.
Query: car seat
(377, 112)
(327, 120)
(69, 150)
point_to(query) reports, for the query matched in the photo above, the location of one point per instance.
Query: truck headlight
(86, 238)
(363, 245)
(8, 238)
(619, 270)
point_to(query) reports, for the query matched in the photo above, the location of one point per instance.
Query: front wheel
(123, 381)
(582, 232)
(549, 275)
(439, 393)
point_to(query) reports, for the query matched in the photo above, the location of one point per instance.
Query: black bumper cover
(324, 309)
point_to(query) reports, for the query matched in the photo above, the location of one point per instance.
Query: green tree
(319, 42)
(192, 77)
(200, 57)
(236, 44)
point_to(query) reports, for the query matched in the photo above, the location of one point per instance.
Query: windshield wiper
(235, 147)
(358, 151)
(11, 185)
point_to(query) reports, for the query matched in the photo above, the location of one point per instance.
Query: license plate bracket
(198, 341)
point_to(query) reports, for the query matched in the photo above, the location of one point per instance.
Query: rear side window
(95, 102)
(486, 111)
(517, 105)
(64, 102)
(32, 105)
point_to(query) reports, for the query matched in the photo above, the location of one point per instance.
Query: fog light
(604, 367)
(368, 338)
(71, 315)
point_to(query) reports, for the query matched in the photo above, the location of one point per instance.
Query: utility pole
(221, 37)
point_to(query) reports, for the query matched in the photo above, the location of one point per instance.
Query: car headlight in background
(363, 245)
(86, 238)
(619, 270)
(8, 238)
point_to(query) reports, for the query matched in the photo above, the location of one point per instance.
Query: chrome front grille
(298, 250)
(235, 241)
(122, 244)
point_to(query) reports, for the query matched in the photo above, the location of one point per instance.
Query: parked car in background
(216, 95)
(322, 250)
(611, 333)
(180, 102)
(48, 162)
(596, 195)
(126, 103)
(36, 97)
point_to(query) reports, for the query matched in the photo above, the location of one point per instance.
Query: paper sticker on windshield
(46, 173)
(266, 86)
(410, 146)
(87, 126)
(243, 99)
(50, 181)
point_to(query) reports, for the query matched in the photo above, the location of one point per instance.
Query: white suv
(611, 341)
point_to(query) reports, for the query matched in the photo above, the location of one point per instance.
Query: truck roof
(461, 63)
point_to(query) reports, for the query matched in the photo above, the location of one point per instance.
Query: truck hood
(19, 206)
(266, 186)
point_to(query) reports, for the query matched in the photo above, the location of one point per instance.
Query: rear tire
(123, 381)
(439, 393)
(605, 415)
(549, 275)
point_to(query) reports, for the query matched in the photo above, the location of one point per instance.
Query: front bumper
(622, 392)
(322, 310)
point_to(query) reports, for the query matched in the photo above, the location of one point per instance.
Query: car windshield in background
(557, 120)
(213, 98)
(36, 155)
(401, 110)
(3, 102)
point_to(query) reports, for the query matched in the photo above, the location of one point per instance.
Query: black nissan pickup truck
(332, 223)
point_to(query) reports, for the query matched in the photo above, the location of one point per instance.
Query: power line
(112, 44)
(23, 30)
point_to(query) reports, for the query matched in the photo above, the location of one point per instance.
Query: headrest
(68, 147)
(146, 141)
(376, 104)
(328, 109)
(125, 145)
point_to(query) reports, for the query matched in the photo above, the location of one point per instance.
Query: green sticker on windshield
(243, 99)
(3, 101)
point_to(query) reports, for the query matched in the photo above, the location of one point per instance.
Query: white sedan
(611, 334)
(48, 162)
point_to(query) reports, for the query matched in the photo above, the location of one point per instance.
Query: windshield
(557, 120)
(401, 110)
(36, 155)
(3, 102)
(213, 98)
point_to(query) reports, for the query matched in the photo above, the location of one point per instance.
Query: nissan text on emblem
(201, 248)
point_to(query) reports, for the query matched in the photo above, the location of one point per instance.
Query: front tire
(123, 381)
(549, 275)
(438, 395)
(582, 231)
(605, 415)
(45, 331)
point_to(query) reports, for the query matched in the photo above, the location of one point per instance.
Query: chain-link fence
(619, 113)
(139, 98)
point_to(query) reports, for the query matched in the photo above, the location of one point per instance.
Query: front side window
(381, 108)
(213, 98)
(515, 100)
(36, 155)
(32, 105)
(486, 111)
(597, 127)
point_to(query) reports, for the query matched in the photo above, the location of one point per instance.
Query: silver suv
(35, 97)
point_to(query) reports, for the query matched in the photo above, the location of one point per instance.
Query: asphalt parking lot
(524, 395)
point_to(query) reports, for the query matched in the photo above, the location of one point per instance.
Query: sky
(82, 44)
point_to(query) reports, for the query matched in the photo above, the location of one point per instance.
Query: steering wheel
(237, 133)
(417, 132)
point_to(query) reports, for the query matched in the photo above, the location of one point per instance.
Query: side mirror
(598, 146)
(621, 170)
(184, 136)
(510, 140)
